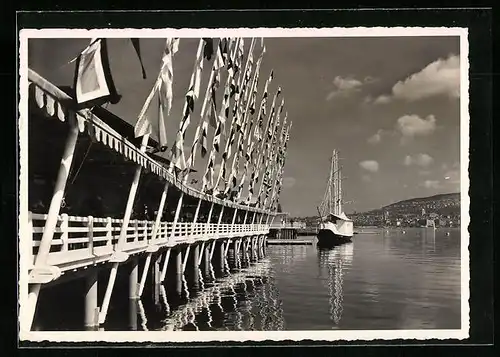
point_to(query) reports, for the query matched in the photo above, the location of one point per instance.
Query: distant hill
(447, 204)
(443, 204)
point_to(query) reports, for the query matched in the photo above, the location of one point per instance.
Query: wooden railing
(80, 241)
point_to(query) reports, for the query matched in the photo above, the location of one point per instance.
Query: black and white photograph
(181, 185)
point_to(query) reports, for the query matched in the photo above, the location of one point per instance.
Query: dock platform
(290, 241)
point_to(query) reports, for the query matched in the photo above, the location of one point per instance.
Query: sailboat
(334, 227)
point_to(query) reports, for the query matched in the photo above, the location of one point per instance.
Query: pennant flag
(204, 144)
(224, 110)
(93, 81)
(208, 50)
(137, 47)
(207, 181)
(201, 129)
(165, 92)
(163, 86)
(178, 159)
(220, 59)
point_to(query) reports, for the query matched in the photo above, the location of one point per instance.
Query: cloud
(369, 165)
(413, 125)
(288, 182)
(422, 160)
(439, 78)
(383, 99)
(375, 138)
(347, 86)
(366, 178)
(432, 184)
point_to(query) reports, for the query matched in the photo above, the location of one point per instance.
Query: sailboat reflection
(335, 261)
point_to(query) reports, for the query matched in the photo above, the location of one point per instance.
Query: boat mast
(339, 187)
(331, 182)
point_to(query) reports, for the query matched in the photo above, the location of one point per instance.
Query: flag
(207, 181)
(165, 92)
(208, 50)
(224, 110)
(163, 86)
(178, 160)
(204, 144)
(201, 130)
(219, 62)
(93, 81)
(137, 47)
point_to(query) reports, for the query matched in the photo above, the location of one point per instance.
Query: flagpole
(228, 142)
(274, 150)
(119, 256)
(247, 100)
(211, 155)
(278, 149)
(181, 127)
(247, 106)
(185, 118)
(202, 116)
(262, 107)
(50, 223)
(271, 119)
(279, 175)
(264, 141)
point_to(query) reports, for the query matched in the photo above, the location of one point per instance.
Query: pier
(187, 227)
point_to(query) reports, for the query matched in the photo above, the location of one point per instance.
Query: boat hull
(335, 233)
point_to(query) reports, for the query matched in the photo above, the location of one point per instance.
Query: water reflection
(334, 261)
(398, 280)
(241, 299)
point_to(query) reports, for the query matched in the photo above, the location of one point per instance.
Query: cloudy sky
(390, 106)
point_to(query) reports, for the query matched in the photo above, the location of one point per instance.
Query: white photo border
(243, 336)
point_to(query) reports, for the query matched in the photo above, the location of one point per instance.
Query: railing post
(51, 222)
(109, 233)
(64, 232)
(220, 219)
(90, 225)
(145, 231)
(136, 231)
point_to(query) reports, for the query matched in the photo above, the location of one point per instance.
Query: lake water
(382, 280)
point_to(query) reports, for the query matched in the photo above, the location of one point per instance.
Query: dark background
(479, 23)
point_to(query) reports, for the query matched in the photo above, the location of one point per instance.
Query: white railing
(80, 241)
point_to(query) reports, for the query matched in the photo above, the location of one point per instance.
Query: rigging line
(105, 105)
(81, 163)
